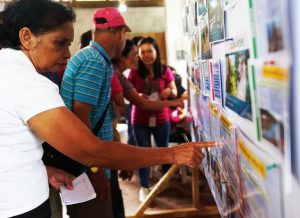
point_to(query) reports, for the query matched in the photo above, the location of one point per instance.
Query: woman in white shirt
(35, 36)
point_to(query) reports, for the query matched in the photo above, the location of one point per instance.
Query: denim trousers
(131, 139)
(161, 135)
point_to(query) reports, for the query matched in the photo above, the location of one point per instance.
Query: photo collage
(238, 92)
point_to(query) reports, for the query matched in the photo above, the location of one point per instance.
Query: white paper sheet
(154, 97)
(83, 191)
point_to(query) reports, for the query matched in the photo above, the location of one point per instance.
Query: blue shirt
(87, 79)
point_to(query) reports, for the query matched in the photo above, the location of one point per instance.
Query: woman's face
(147, 53)
(131, 61)
(50, 51)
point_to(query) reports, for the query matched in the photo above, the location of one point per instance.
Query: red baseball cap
(108, 17)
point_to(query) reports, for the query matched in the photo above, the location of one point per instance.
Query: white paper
(216, 82)
(271, 28)
(272, 101)
(154, 97)
(261, 180)
(83, 191)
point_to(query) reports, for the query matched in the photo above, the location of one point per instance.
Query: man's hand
(190, 153)
(57, 178)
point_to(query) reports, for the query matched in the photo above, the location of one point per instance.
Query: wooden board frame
(196, 210)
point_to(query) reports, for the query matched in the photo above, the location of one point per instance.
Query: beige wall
(174, 36)
(148, 19)
(1, 6)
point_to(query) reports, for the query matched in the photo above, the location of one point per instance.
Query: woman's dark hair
(40, 16)
(85, 38)
(127, 48)
(136, 39)
(158, 68)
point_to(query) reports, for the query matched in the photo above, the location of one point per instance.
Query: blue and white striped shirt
(87, 79)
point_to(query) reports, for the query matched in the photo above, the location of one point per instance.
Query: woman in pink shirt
(155, 82)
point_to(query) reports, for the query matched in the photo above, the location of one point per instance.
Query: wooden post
(195, 188)
(156, 190)
(196, 210)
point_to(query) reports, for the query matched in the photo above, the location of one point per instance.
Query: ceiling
(115, 3)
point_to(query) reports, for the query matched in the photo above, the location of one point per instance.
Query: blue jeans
(161, 135)
(131, 139)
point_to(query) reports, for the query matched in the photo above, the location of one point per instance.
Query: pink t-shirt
(115, 85)
(141, 117)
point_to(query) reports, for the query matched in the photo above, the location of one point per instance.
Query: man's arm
(145, 104)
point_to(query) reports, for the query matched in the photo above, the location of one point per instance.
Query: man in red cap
(86, 89)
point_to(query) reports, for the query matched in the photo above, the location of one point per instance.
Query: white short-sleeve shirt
(24, 93)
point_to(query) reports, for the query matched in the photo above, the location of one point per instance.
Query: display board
(239, 66)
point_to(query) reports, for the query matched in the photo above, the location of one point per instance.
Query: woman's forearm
(116, 155)
(121, 156)
(65, 132)
(145, 104)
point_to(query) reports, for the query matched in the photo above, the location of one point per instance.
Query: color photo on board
(205, 44)
(238, 97)
(216, 20)
(202, 7)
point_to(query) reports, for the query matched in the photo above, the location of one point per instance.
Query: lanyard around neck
(151, 86)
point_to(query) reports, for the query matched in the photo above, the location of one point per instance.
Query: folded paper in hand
(154, 97)
(83, 191)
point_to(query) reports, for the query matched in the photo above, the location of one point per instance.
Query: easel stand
(196, 210)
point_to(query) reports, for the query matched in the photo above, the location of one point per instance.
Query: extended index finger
(184, 97)
(207, 144)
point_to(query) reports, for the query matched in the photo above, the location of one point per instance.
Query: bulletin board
(239, 64)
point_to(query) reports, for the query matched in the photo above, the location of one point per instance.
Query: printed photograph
(206, 77)
(202, 7)
(238, 96)
(185, 21)
(272, 129)
(195, 46)
(193, 50)
(216, 20)
(274, 26)
(216, 180)
(229, 3)
(275, 37)
(205, 45)
(197, 75)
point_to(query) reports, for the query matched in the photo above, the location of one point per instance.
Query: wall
(174, 35)
(148, 19)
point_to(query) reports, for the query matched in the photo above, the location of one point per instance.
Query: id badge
(152, 121)
(154, 97)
